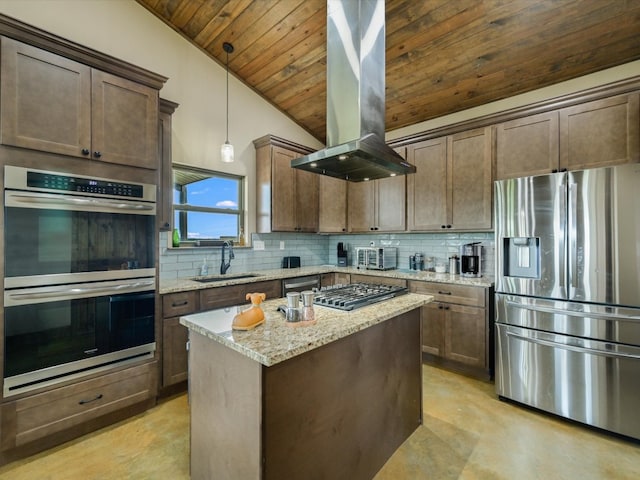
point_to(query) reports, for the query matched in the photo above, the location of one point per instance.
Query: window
(207, 205)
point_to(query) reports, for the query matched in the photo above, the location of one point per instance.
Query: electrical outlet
(281, 244)
(258, 245)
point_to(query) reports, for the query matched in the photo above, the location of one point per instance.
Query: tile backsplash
(316, 249)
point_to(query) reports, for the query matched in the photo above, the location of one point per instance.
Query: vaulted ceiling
(442, 56)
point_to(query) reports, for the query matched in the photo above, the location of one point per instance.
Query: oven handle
(308, 283)
(70, 292)
(570, 313)
(66, 201)
(573, 348)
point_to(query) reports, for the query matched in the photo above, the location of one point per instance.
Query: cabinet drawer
(450, 293)
(37, 416)
(220, 297)
(182, 303)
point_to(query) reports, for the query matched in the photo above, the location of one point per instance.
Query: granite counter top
(276, 341)
(186, 284)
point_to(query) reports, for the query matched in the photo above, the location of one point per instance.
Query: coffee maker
(471, 259)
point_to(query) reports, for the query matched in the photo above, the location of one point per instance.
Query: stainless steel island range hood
(356, 150)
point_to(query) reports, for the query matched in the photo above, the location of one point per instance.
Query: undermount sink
(224, 278)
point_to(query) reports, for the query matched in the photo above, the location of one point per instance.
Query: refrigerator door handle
(574, 348)
(562, 196)
(573, 236)
(571, 313)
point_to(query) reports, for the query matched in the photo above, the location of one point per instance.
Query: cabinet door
(427, 188)
(600, 133)
(527, 146)
(470, 183)
(306, 205)
(174, 351)
(45, 100)
(390, 204)
(361, 201)
(432, 315)
(124, 121)
(283, 192)
(465, 335)
(165, 170)
(332, 205)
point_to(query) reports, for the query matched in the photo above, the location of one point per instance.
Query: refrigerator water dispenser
(522, 257)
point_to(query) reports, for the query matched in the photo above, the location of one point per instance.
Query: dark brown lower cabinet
(39, 421)
(175, 336)
(456, 327)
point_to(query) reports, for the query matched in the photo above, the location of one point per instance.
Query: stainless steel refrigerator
(567, 295)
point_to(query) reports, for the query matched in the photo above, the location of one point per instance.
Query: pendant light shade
(226, 150)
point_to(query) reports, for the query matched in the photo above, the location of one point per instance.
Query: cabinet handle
(443, 226)
(180, 304)
(84, 402)
(97, 154)
(448, 226)
(562, 170)
(447, 307)
(85, 151)
(555, 170)
(443, 293)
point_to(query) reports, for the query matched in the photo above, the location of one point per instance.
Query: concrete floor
(467, 434)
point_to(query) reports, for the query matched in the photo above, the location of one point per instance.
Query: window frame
(184, 208)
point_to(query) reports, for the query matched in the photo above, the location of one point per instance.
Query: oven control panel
(66, 183)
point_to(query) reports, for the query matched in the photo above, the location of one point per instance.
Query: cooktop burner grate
(356, 295)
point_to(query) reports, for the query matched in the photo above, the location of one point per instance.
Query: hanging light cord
(228, 48)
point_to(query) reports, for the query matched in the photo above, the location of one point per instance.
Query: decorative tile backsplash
(316, 250)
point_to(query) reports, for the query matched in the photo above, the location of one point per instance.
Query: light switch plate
(281, 244)
(258, 245)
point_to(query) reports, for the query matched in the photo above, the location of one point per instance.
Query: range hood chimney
(356, 150)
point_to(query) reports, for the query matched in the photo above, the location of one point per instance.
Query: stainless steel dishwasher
(299, 284)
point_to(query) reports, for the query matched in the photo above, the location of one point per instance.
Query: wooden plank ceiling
(442, 56)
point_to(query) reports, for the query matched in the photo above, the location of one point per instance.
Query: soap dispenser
(204, 269)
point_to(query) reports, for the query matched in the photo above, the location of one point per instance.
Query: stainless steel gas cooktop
(356, 295)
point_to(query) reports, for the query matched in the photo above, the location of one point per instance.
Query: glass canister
(429, 264)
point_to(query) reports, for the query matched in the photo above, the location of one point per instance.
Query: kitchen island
(330, 400)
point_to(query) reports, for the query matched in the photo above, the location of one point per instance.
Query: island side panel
(340, 411)
(225, 402)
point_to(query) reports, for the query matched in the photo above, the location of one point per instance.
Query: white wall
(126, 30)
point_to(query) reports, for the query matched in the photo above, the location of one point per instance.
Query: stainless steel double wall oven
(79, 276)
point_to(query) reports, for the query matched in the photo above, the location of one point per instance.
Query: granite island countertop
(276, 341)
(186, 284)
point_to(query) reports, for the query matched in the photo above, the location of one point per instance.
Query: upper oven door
(54, 238)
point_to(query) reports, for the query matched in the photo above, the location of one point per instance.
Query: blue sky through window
(215, 193)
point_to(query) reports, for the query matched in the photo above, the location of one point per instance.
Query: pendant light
(226, 151)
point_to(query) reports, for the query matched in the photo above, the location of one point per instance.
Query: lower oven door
(590, 381)
(53, 334)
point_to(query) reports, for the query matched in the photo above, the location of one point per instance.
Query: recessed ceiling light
(342, 157)
(314, 164)
(392, 175)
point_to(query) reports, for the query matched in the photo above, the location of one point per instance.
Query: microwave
(377, 258)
